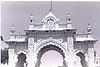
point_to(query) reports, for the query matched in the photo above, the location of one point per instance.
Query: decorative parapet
(83, 37)
(18, 38)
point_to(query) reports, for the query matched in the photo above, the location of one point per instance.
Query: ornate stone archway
(47, 48)
(51, 35)
(50, 44)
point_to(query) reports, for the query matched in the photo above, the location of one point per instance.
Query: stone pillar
(65, 60)
(31, 52)
(70, 52)
(91, 56)
(11, 58)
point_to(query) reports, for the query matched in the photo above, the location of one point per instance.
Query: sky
(51, 59)
(18, 14)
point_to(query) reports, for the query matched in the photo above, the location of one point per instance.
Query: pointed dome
(50, 14)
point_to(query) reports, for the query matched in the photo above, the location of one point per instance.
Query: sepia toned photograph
(50, 34)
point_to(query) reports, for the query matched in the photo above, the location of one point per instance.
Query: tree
(4, 56)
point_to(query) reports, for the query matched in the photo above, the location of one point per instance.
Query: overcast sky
(18, 13)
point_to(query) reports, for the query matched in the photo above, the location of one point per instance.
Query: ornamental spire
(12, 30)
(51, 5)
(89, 29)
(69, 17)
(31, 17)
(69, 25)
(31, 24)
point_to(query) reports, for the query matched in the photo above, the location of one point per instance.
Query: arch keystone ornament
(52, 34)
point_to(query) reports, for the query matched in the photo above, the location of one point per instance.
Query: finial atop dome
(31, 23)
(89, 29)
(12, 29)
(31, 17)
(12, 32)
(69, 25)
(31, 20)
(69, 17)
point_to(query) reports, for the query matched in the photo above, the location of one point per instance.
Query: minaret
(89, 31)
(12, 32)
(31, 24)
(69, 25)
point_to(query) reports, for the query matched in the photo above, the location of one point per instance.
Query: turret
(12, 32)
(89, 31)
(69, 25)
(31, 23)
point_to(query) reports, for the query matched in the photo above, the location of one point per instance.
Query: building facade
(51, 34)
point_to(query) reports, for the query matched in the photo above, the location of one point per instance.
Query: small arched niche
(82, 62)
(21, 62)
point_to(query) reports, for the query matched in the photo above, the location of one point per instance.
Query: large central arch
(47, 45)
(50, 47)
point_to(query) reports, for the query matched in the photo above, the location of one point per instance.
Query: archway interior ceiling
(50, 47)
